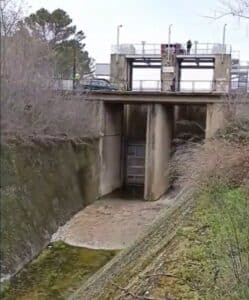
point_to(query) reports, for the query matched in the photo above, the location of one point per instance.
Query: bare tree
(235, 8)
(11, 12)
(238, 8)
(28, 104)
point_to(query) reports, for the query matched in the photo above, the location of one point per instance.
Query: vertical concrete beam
(168, 72)
(222, 73)
(215, 119)
(110, 148)
(158, 147)
(120, 71)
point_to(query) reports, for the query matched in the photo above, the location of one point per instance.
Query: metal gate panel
(135, 164)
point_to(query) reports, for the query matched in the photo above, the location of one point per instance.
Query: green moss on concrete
(56, 272)
(44, 182)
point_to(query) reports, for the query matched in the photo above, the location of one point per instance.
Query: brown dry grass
(28, 103)
(222, 160)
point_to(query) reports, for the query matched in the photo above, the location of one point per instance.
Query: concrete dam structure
(137, 123)
(137, 127)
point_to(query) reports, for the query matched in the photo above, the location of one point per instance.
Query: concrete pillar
(111, 156)
(158, 147)
(215, 119)
(222, 73)
(120, 71)
(168, 72)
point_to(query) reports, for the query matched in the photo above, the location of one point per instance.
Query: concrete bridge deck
(132, 97)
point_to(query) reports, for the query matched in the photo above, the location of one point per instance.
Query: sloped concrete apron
(129, 263)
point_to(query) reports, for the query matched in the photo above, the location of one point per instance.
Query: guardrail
(190, 86)
(144, 49)
(146, 85)
(185, 86)
(207, 86)
(149, 49)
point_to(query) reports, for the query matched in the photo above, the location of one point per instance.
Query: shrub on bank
(219, 169)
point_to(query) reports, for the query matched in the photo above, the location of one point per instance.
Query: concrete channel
(125, 268)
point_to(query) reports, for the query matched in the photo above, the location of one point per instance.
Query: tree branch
(129, 293)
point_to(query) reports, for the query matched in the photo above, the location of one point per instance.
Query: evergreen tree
(63, 38)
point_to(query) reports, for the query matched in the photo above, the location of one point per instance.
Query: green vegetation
(209, 256)
(56, 29)
(57, 271)
(210, 259)
(216, 260)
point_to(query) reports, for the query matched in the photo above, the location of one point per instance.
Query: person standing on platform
(189, 45)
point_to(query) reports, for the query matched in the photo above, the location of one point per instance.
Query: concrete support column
(110, 148)
(120, 71)
(222, 73)
(168, 72)
(215, 119)
(158, 147)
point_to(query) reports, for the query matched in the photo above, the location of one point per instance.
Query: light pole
(118, 36)
(224, 42)
(224, 35)
(169, 39)
(74, 66)
(143, 47)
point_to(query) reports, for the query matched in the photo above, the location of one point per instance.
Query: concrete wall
(119, 71)
(242, 111)
(222, 70)
(168, 71)
(215, 119)
(111, 141)
(43, 183)
(158, 147)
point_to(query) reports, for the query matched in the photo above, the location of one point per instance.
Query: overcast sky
(147, 20)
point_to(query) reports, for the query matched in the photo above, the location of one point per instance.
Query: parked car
(96, 84)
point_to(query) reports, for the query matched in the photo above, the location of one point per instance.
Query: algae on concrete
(56, 272)
(44, 182)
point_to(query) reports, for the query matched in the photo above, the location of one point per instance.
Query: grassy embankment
(210, 253)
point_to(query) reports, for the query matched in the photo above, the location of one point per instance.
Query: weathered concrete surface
(222, 70)
(215, 119)
(154, 97)
(127, 266)
(44, 182)
(119, 71)
(113, 222)
(111, 173)
(158, 147)
(242, 110)
(167, 77)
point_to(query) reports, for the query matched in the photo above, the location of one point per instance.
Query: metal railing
(208, 86)
(146, 85)
(186, 86)
(209, 49)
(143, 49)
(149, 49)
